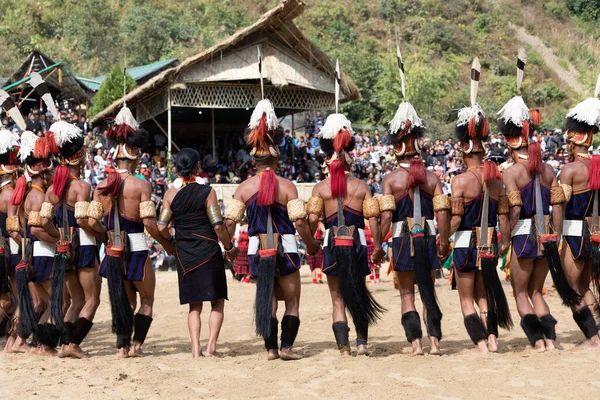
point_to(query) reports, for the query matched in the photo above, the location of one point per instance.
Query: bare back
(396, 183)
(469, 185)
(357, 191)
(133, 192)
(576, 174)
(286, 191)
(517, 176)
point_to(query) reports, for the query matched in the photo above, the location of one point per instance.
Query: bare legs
(470, 290)
(146, 289)
(291, 288)
(215, 321)
(339, 308)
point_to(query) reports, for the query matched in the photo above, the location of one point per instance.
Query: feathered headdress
(35, 153)
(516, 121)
(12, 110)
(472, 125)
(263, 131)
(9, 151)
(69, 139)
(583, 120)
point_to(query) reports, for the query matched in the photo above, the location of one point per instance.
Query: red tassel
(341, 141)
(525, 130)
(472, 128)
(14, 156)
(117, 132)
(113, 184)
(258, 134)
(268, 188)
(19, 192)
(490, 171)
(535, 158)
(536, 117)
(595, 172)
(61, 177)
(338, 178)
(486, 128)
(416, 172)
(40, 150)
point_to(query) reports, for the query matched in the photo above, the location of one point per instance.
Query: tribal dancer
(274, 214)
(198, 224)
(580, 179)
(531, 189)
(411, 197)
(38, 247)
(346, 202)
(478, 204)
(67, 203)
(129, 211)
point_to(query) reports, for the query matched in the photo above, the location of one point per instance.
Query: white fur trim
(65, 132)
(28, 140)
(466, 113)
(405, 112)
(334, 124)
(126, 117)
(515, 111)
(588, 112)
(8, 140)
(264, 107)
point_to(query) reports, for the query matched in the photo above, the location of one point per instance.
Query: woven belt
(572, 228)
(43, 249)
(137, 242)
(85, 239)
(397, 228)
(523, 227)
(462, 239)
(288, 241)
(361, 235)
(14, 246)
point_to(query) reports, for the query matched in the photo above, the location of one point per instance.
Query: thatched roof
(55, 73)
(276, 23)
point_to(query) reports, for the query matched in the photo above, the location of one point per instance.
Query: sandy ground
(168, 371)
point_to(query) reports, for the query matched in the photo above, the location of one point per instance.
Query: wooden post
(169, 136)
(214, 147)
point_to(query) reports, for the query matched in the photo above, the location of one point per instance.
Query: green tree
(111, 89)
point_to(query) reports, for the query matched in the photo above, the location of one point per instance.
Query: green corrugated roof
(135, 72)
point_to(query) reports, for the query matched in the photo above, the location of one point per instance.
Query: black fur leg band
(411, 321)
(342, 338)
(22, 332)
(4, 325)
(362, 334)
(271, 341)
(289, 330)
(66, 334)
(491, 322)
(595, 309)
(48, 335)
(533, 328)
(141, 327)
(434, 326)
(123, 340)
(475, 328)
(80, 330)
(585, 322)
(548, 326)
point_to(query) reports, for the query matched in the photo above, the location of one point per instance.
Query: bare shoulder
(170, 194)
(317, 189)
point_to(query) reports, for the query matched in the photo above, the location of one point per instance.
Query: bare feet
(71, 350)
(10, 342)
(539, 347)
(35, 350)
(287, 354)
(214, 354)
(136, 350)
(20, 346)
(590, 345)
(272, 355)
(492, 344)
(417, 348)
(434, 346)
(196, 351)
(346, 353)
(46, 351)
(123, 352)
(550, 344)
(481, 347)
(362, 350)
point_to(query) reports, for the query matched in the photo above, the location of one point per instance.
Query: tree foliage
(111, 89)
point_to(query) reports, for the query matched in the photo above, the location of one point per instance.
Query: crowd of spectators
(301, 159)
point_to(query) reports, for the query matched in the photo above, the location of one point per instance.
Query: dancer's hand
(313, 247)
(443, 249)
(170, 247)
(503, 249)
(377, 256)
(232, 254)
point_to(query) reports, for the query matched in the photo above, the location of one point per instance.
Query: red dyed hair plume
(525, 130)
(535, 158)
(486, 128)
(536, 117)
(113, 184)
(473, 127)
(61, 178)
(416, 172)
(120, 133)
(260, 133)
(19, 193)
(338, 178)
(45, 146)
(268, 188)
(490, 171)
(595, 172)
(342, 141)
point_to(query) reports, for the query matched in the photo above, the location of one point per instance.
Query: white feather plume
(515, 111)
(466, 113)
(28, 140)
(8, 140)
(597, 90)
(126, 117)
(334, 124)
(405, 112)
(65, 132)
(588, 112)
(264, 107)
